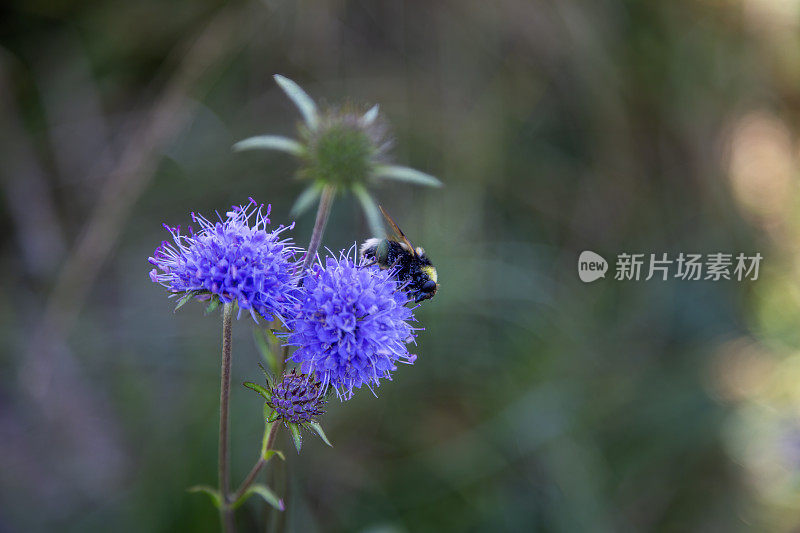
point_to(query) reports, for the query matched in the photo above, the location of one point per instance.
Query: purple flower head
(233, 261)
(296, 399)
(351, 325)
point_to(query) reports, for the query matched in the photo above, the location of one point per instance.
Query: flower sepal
(297, 434)
(317, 428)
(265, 392)
(297, 437)
(201, 296)
(189, 296)
(270, 142)
(213, 304)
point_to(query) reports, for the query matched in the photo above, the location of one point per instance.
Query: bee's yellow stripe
(431, 272)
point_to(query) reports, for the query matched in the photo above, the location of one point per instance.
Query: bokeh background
(538, 402)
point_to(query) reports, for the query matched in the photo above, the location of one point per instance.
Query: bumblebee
(412, 265)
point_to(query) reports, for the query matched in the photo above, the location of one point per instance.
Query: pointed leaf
(374, 218)
(270, 142)
(296, 436)
(267, 374)
(409, 175)
(266, 394)
(262, 339)
(212, 493)
(306, 199)
(185, 299)
(266, 494)
(317, 428)
(212, 305)
(269, 453)
(303, 102)
(370, 116)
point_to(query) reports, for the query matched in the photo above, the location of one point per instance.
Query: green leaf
(270, 142)
(259, 389)
(296, 436)
(268, 412)
(303, 102)
(211, 492)
(409, 175)
(212, 305)
(185, 299)
(374, 217)
(267, 455)
(317, 428)
(267, 348)
(267, 374)
(306, 199)
(265, 493)
(370, 116)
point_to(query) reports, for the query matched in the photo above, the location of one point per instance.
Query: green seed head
(343, 150)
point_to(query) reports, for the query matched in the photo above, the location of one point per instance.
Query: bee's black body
(412, 267)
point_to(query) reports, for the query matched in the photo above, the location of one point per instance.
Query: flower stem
(269, 440)
(324, 209)
(226, 513)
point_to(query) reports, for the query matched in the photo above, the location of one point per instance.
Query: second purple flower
(351, 325)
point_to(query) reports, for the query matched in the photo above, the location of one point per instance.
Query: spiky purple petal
(232, 260)
(351, 325)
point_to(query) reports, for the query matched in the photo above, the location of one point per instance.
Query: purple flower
(296, 399)
(351, 325)
(232, 261)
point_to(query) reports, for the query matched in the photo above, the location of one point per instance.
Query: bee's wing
(398, 231)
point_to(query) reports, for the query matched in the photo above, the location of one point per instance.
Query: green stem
(226, 513)
(266, 444)
(324, 209)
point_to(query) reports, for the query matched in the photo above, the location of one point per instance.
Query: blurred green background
(538, 402)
